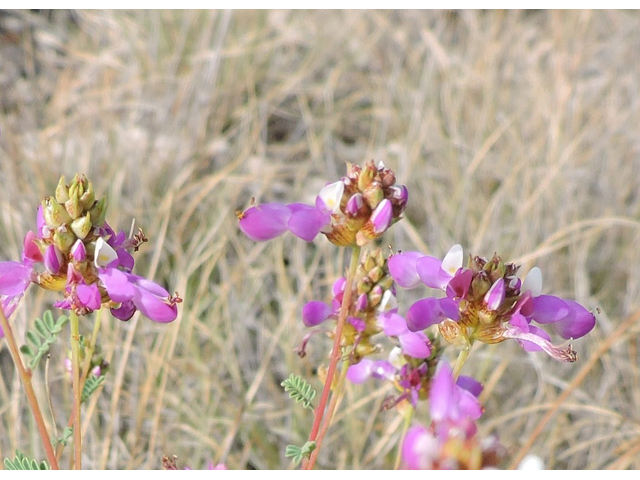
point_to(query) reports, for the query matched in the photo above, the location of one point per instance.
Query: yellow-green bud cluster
(372, 287)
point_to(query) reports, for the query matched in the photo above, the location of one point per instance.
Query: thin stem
(408, 415)
(327, 419)
(462, 357)
(25, 377)
(335, 353)
(75, 361)
(85, 371)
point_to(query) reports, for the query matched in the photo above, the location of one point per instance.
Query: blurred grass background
(516, 132)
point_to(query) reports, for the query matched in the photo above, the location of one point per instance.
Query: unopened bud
(375, 296)
(373, 195)
(375, 274)
(367, 175)
(99, 211)
(62, 191)
(79, 251)
(64, 240)
(361, 303)
(53, 259)
(73, 204)
(355, 205)
(82, 226)
(54, 213)
(88, 197)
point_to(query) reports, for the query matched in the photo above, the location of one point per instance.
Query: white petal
(452, 261)
(104, 254)
(533, 282)
(396, 358)
(531, 462)
(331, 195)
(388, 302)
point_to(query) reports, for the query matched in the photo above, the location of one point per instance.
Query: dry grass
(515, 132)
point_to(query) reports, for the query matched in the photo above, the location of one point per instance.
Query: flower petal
(402, 268)
(577, 323)
(265, 221)
(415, 344)
(548, 309)
(430, 272)
(315, 312)
(117, 284)
(392, 324)
(360, 372)
(533, 282)
(306, 221)
(423, 314)
(14, 278)
(154, 307)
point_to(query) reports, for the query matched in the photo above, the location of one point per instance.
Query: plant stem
(335, 353)
(462, 357)
(25, 377)
(75, 361)
(327, 418)
(405, 427)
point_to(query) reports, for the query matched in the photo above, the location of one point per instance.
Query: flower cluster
(451, 442)
(374, 310)
(486, 301)
(74, 251)
(352, 211)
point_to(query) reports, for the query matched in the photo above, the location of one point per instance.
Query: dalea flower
(352, 211)
(77, 253)
(486, 301)
(373, 310)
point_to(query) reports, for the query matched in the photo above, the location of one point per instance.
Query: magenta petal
(415, 344)
(495, 296)
(470, 384)
(154, 307)
(402, 268)
(315, 312)
(266, 221)
(468, 405)
(530, 346)
(360, 372)
(89, 296)
(117, 284)
(382, 216)
(430, 271)
(307, 222)
(424, 313)
(14, 278)
(53, 259)
(125, 311)
(30, 250)
(9, 305)
(548, 309)
(383, 370)
(419, 449)
(458, 286)
(442, 393)
(392, 324)
(577, 323)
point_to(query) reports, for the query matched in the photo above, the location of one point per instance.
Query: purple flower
(352, 211)
(488, 302)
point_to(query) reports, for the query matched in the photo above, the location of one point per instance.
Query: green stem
(405, 427)
(75, 361)
(327, 419)
(336, 352)
(462, 357)
(25, 377)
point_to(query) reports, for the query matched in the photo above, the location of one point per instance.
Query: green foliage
(91, 385)
(44, 333)
(20, 462)
(64, 439)
(298, 453)
(299, 390)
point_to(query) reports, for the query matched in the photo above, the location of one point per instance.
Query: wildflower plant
(75, 253)
(484, 301)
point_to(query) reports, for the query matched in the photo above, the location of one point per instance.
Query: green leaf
(91, 385)
(20, 462)
(44, 333)
(47, 319)
(299, 390)
(297, 454)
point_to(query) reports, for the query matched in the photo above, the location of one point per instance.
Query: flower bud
(375, 274)
(367, 175)
(54, 213)
(373, 195)
(64, 240)
(355, 205)
(364, 286)
(62, 191)
(495, 296)
(361, 303)
(88, 197)
(79, 251)
(82, 226)
(73, 204)
(53, 259)
(375, 296)
(99, 211)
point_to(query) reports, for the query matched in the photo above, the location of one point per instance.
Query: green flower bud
(99, 211)
(480, 285)
(64, 240)
(73, 204)
(82, 226)
(54, 213)
(367, 175)
(373, 195)
(369, 263)
(375, 274)
(62, 191)
(375, 296)
(386, 282)
(88, 197)
(364, 286)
